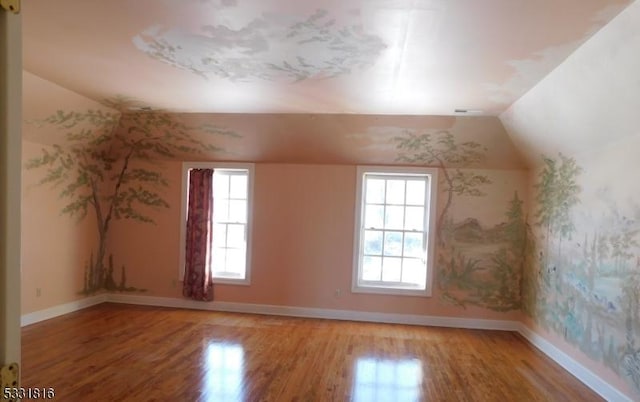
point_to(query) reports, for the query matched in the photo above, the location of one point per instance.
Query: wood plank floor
(132, 353)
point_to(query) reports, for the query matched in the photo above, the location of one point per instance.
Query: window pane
(219, 235)
(373, 216)
(395, 191)
(415, 192)
(236, 261)
(372, 242)
(393, 243)
(391, 269)
(414, 218)
(238, 186)
(236, 236)
(414, 271)
(220, 210)
(218, 259)
(237, 211)
(394, 217)
(413, 245)
(371, 268)
(220, 185)
(375, 191)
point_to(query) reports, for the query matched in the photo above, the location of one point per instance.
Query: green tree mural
(593, 299)
(631, 305)
(442, 151)
(515, 228)
(566, 195)
(467, 272)
(557, 192)
(107, 165)
(493, 281)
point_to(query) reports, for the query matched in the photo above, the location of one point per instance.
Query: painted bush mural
(94, 169)
(583, 281)
(476, 265)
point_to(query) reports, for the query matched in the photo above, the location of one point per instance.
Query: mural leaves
(107, 165)
(475, 265)
(584, 283)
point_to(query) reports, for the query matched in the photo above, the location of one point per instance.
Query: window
(395, 220)
(231, 226)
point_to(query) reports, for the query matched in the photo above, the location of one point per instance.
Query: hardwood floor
(132, 353)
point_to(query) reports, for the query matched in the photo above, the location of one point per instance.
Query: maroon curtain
(198, 279)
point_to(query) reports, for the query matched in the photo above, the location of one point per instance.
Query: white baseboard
(309, 312)
(55, 311)
(591, 380)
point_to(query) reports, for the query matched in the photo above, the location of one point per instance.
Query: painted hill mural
(475, 265)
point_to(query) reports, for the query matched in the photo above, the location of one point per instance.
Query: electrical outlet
(38, 292)
(174, 283)
(337, 292)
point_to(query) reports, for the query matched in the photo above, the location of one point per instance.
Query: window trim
(250, 167)
(432, 195)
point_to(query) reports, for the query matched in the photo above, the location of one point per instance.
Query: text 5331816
(28, 393)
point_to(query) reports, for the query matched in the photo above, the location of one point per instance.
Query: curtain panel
(198, 278)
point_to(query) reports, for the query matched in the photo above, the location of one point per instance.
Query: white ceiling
(420, 57)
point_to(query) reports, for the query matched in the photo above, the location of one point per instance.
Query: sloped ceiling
(422, 57)
(588, 103)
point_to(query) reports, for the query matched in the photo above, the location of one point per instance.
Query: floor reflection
(378, 380)
(224, 376)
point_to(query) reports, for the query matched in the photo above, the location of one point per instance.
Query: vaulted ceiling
(408, 57)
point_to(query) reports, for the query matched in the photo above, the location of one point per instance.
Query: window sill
(231, 281)
(391, 291)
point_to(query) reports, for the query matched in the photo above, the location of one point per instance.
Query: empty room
(380, 200)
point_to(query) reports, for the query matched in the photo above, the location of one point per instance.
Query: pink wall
(304, 213)
(302, 242)
(54, 247)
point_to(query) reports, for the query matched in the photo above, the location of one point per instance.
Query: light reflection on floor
(378, 380)
(224, 376)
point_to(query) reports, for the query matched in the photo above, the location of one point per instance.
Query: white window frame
(186, 167)
(357, 285)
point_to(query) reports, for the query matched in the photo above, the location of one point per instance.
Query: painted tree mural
(557, 193)
(107, 167)
(585, 280)
(475, 264)
(442, 151)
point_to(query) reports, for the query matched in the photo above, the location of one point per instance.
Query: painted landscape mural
(93, 168)
(475, 265)
(583, 280)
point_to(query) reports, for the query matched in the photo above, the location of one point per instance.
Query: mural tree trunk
(440, 150)
(546, 203)
(94, 166)
(557, 194)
